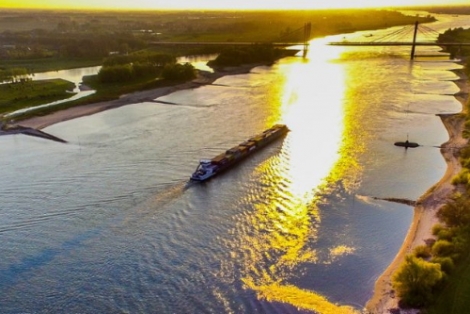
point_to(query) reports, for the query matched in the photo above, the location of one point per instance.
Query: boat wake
(151, 207)
(169, 194)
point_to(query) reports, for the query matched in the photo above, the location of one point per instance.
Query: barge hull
(211, 167)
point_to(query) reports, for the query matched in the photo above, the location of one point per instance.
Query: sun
(220, 4)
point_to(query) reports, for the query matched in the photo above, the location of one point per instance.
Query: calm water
(108, 223)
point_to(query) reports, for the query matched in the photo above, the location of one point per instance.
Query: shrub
(178, 72)
(116, 73)
(461, 177)
(456, 212)
(442, 248)
(415, 280)
(460, 241)
(436, 228)
(443, 233)
(422, 251)
(447, 264)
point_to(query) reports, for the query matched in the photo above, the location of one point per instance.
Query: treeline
(425, 273)
(14, 75)
(448, 9)
(81, 34)
(47, 44)
(257, 53)
(456, 35)
(140, 66)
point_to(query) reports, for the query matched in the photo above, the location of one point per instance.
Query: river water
(109, 224)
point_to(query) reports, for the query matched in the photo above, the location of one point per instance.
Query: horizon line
(224, 9)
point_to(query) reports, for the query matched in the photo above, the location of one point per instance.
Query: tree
(178, 72)
(456, 212)
(116, 73)
(14, 75)
(415, 280)
(442, 248)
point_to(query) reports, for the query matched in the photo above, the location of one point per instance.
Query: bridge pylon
(413, 46)
(307, 33)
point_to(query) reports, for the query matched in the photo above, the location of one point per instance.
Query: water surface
(108, 223)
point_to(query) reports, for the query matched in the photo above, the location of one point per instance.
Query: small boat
(208, 168)
(407, 144)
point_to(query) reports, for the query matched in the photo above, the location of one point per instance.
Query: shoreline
(203, 78)
(384, 299)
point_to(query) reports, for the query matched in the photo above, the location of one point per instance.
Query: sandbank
(384, 298)
(203, 78)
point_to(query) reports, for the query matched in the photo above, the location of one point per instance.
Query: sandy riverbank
(203, 78)
(424, 218)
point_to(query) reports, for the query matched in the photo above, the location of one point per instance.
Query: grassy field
(20, 95)
(48, 64)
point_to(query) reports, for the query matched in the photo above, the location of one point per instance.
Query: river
(109, 224)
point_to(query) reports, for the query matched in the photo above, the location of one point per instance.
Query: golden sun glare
(221, 4)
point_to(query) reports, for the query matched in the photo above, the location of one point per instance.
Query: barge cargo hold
(208, 168)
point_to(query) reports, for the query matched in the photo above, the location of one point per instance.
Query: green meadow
(15, 96)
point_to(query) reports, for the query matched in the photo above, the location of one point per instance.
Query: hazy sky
(219, 4)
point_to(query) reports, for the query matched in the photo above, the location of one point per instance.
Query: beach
(384, 298)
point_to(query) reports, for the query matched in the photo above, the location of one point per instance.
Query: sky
(219, 4)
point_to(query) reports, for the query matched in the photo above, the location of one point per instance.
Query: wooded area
(47, 35)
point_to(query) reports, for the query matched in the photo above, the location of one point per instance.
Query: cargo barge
(208, 168)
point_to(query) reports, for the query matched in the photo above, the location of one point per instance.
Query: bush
(443, 248)
(415, 280)
(436, 228)
(456, 212)
(460, 242)
(178, 72)
(116, 73)
(461, 178)
(442, 233)
(422, 251)
(144, 70)
(447, 264)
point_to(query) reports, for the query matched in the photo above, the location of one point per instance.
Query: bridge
(297, 37)
(406, 36)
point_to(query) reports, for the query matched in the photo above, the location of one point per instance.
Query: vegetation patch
(256, 53)
(18, 95)
(456, 35)
(38, 65)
